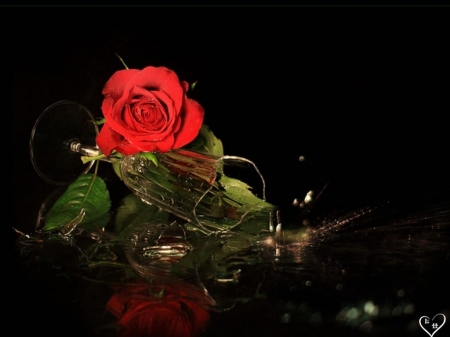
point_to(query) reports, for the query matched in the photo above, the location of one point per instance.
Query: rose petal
(163, 79)
(162, 145)
(116, 305)
(173, 315)
(168, 117)
(123, 121)
(134, 125)
(191, 122)
(127, 148)
(156, 319)
(197, 315)
(115, 85)
(107, 139)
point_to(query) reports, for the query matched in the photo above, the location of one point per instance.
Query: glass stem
(88, 151)
(85, 150)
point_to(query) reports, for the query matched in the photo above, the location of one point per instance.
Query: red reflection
(145, 310)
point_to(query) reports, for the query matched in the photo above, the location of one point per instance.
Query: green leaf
(199, 260)
(121, 60)
(133, 212)
(238, 195)
(100, 121)
(96, 223)
(239, 192)
(150, 156)
(89, 195)
(207, 142)
(116, 159)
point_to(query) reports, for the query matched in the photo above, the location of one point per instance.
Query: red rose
(169, 316)
(147, 110)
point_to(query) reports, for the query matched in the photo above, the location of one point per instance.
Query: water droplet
(409, 309)
(366, 327)
(353, 313)
(286, 318)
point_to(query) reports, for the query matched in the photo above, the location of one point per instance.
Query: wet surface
(374, 274)
(369, 117)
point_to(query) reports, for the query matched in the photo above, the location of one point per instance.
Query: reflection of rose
(143, 315)
(147, 110)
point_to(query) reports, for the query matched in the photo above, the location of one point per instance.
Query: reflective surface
(373, 271)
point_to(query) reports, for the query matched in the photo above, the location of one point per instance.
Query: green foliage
(85, 203)
(121, 60)
(230, 204)
(230, 200)
(150, 156)
(207, 142)
(239, 193)
(100, 121)
(134, 212)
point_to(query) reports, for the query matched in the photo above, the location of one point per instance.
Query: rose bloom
(141, 315)
(147, 110)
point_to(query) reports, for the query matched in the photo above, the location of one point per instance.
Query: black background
(361, 92)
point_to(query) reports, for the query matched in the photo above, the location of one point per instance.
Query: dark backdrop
(362, 93)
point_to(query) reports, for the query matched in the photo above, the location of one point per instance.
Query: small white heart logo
(431, 326)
